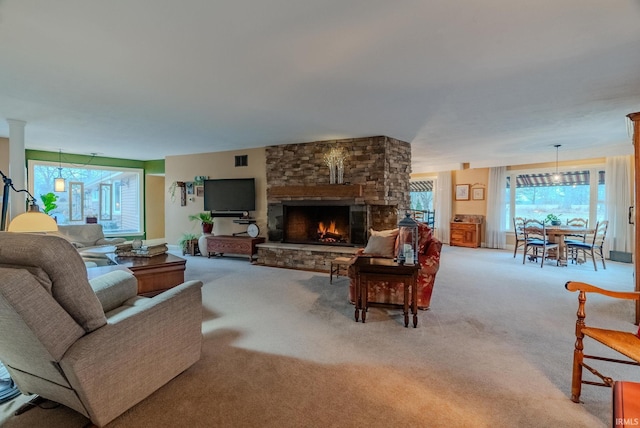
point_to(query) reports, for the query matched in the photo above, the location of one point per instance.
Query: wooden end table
(382, 269)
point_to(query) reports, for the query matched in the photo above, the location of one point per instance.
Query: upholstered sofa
(91, 345)
(84, 236)
(384, 244)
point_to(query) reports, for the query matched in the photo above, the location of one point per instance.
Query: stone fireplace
(331, 220)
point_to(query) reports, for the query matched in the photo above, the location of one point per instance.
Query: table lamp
(31, 221)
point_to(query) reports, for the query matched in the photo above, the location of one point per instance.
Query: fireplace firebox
(318, 223)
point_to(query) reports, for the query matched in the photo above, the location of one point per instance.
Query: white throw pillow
(389, 232)
(382, 243)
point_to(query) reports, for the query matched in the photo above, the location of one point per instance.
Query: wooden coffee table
(154, 274)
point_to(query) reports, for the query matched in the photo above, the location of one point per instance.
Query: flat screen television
(230, 194)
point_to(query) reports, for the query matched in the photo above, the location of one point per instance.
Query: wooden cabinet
(465, 234)
(233, 245)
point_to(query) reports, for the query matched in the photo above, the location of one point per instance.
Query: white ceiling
(488, 82)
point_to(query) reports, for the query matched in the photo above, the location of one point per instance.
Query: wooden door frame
(635, 118)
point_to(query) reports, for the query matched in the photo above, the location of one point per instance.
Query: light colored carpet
(281, 349)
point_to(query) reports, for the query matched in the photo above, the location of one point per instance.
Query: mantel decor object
(335, 161)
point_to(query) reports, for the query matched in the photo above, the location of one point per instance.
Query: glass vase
(332, 174)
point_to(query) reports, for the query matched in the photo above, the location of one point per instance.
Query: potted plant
(553, 219)
(188, 242)
(205, 220)
(49, 202)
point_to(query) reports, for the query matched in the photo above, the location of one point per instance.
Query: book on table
(127, 250)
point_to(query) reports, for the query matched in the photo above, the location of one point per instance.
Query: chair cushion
(40, 316)
(64, 267)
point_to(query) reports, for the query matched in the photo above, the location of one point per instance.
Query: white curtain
(496, 216)
(443, 206)
(618, 200)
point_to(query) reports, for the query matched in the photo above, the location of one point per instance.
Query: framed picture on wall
(462, 192)
(200, 191)
(477, 194)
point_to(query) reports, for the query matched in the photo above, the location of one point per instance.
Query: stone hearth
(300, 256)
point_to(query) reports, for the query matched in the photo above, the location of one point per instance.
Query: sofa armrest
(430, 259)
(114, 288)
(155, 342)
(110, 241)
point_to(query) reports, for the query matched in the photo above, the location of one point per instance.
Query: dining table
(558, 235)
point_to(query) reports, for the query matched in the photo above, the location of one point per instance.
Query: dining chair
(536, 242)
(518, 230)
(594, 246)
(602, 342)
(577, 237)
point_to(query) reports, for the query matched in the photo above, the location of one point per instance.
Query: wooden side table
(381, 269)
(220, 244)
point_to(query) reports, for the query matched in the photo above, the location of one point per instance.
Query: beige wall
(476, 179)
(4, 160)
(213, 165)
(154, 206)
(4, 155)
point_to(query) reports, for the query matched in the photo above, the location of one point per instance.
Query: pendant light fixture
(556, 176)
(58, 183)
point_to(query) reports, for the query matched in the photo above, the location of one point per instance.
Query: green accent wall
(149, 167)
(154, 166)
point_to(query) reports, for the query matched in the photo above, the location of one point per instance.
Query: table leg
(562, 259)
(414, 301)
(365, 299)
(406, 303)
(358, 299)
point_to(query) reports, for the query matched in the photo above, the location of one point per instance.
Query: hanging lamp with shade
(58, 183)
(556, 176)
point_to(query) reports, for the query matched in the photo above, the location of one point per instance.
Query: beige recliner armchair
(94, 346)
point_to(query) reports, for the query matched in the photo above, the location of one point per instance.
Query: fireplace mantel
(333, 191)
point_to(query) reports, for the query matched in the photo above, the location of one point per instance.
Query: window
(572, 194)
(421, 195)
(112, 195)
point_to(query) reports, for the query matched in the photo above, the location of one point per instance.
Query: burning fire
(322, 229)
(328, 233)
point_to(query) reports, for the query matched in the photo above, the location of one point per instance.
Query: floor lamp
(31, 221)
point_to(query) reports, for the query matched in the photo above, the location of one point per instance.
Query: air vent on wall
(242, 160)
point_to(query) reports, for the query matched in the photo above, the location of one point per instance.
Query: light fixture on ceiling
(58, 183)
(556, 176)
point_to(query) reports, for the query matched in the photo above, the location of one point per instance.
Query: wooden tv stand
(245, 245)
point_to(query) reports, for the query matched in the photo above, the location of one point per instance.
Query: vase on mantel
(340, 173)
(332, 174)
